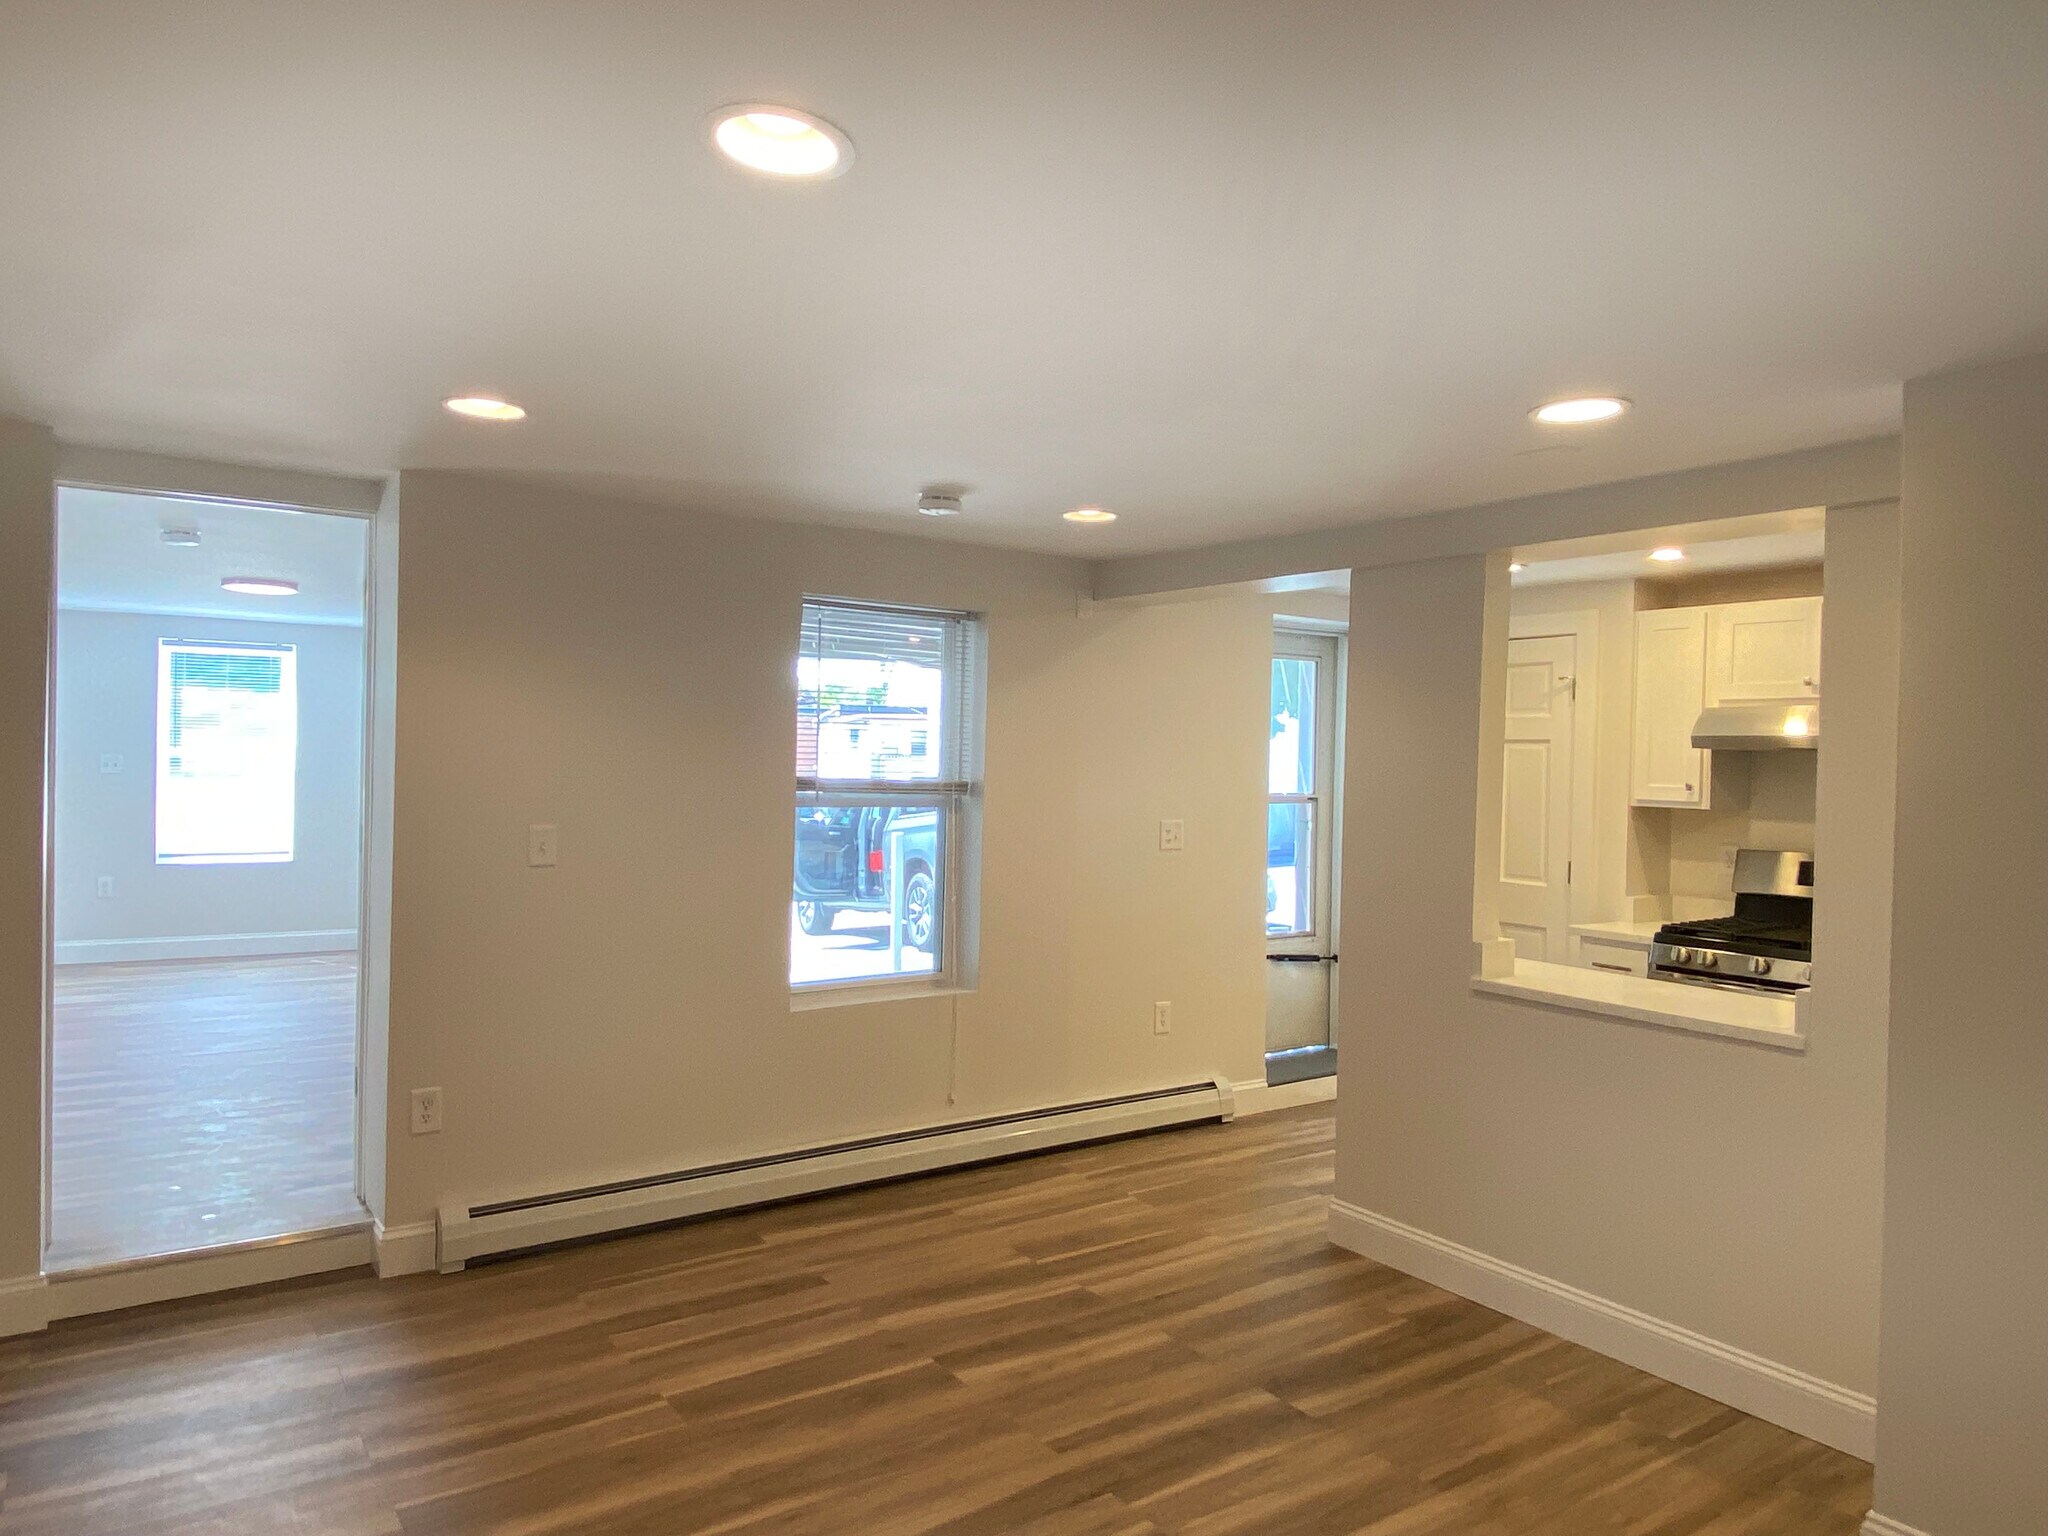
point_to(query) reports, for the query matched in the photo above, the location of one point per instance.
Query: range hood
(1758, 728)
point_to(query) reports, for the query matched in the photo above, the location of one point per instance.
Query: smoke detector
(181, 538)
(932, 504)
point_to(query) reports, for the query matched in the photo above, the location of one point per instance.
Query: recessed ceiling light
(780, 141)
(1579, 412)
(1667, 555)
(181, 538)
(1515, 567)
(1089, 515)
(931, 504)
(260, 586)
(485, 408)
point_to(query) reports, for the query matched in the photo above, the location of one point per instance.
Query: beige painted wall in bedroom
(626, 673)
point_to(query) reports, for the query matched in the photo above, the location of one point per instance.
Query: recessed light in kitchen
(260, 586)
(1515, 567)
(780, 141)
(1580, 411)
(1668, 555)
(484, 408)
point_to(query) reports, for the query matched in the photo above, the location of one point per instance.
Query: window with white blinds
(227, 752)
(887, 717)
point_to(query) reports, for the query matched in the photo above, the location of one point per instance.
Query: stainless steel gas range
(1767, 946)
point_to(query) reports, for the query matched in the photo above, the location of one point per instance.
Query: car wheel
(815, 917)
(920, 915)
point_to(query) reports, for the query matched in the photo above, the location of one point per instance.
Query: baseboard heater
(465, 1232)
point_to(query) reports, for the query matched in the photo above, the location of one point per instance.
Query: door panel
(1536, 797)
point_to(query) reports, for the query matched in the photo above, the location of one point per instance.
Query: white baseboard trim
(211, 946)
(24, 1305)
(1875, 1524)
(1255, 1096)
(407, 1249)
(141, 1284)
(1820, 1410)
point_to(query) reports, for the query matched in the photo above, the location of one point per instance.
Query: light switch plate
(110, 762)
(1173, 836)
(543, 845)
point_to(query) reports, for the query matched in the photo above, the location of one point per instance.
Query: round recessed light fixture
(1515, 567)
(484, 408)
(1581, 411)
(260, 586)
(932, 504)
(781, 141)
(1089, 516)
(1670, 554)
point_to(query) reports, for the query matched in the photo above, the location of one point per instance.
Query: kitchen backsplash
(1761, 800)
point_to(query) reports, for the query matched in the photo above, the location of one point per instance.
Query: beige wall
(1761, 800)
(1709, 587)
(1726, 1188)
(28, 529)
(1965, 1378)
(627, 674)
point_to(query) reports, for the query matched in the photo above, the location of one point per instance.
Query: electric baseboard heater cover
(465, 1232)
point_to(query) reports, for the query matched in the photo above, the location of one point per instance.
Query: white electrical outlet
(426, 1111)
(1162, 1018)
(103, 887)
(110, 762)
(1173, 836)
(543, 844)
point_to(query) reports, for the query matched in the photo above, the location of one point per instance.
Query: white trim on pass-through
(1803, 1403)
(1875, 1524)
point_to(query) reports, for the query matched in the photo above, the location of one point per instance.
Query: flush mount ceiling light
(780, 141)
(484, 408)
(1089, 516)
(180, 538)
(260, 586)
(932, 504)
(1515, 567)
(1668, 555)
(1581, 411)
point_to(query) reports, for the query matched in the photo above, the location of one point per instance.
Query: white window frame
(1324, 649)
(955, 795)
(169, 648)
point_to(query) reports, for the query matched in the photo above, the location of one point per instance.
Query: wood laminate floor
(200, 1102)
(1146, 1336)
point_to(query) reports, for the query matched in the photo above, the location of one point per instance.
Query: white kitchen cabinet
(1763, 651)
(1671, 669)
(1612, 955)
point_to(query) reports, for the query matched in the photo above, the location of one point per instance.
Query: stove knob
(1708, 959)
(1759, 966)
(1681, 956)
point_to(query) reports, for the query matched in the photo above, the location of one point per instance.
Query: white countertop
(1759, 1018)
(1636, 935)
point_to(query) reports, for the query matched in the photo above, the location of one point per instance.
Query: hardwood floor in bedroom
(1149, 1335)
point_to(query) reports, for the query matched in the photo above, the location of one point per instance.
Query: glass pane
(1290, 868)
(1291, 750)
(869, 897)
(227, 753)
(872, 694)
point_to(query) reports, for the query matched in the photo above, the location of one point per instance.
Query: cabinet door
(1763, 651)
(1671, 661)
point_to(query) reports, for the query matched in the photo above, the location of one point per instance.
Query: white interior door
(1536, 797)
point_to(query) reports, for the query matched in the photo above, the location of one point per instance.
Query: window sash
(937, 732)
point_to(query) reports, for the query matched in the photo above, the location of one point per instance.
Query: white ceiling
(1224, 268)
(111, 555)
(1760, 552)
